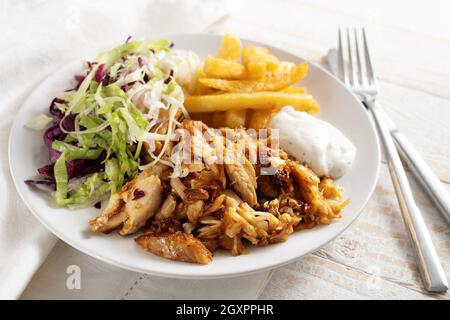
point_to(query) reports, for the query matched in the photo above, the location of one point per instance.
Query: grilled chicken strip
(132, 206)
(167, 209)
(112, 217)
(194, 211)
(243, 180)
(140, 209)
(175, 246)
(314, 196)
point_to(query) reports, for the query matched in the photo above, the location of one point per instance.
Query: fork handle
(426, 177)
(431, 271)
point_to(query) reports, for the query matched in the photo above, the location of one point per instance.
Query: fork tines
(355, 65)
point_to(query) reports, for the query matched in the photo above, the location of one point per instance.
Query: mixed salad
(96, 131)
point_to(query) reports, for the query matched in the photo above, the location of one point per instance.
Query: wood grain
(425, 120)
(317, 278)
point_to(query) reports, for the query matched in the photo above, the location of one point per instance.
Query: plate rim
(180, 275)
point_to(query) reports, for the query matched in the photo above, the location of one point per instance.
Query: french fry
(228, 93)
(259, 54)
(253, 53)
(295, 90)
(223, 69)
(199, 87)
(230, 48)
(314, 107)
(284, 77)
(235, 118)
(258, 119)
(256, 70)
(256, 100)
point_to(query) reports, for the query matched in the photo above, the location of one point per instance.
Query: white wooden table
(411, 51)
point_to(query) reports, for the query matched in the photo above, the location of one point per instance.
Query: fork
(356, 71)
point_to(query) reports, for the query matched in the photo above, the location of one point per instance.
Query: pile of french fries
(245, 86)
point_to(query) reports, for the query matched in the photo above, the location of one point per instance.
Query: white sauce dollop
(325, 149)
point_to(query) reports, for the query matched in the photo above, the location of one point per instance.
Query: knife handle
(426, 177)
(430, 268)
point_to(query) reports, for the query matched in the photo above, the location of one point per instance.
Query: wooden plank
(424, 119)
(315, 277)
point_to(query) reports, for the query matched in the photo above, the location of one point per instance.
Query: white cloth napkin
(38, 37)
(98, 280)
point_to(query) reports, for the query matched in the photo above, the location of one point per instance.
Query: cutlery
(356, 71)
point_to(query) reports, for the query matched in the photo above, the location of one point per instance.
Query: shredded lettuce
(80, 94)
(72, 152)
(112, 172)
(91, 191)
(39, 122)
(61, 179)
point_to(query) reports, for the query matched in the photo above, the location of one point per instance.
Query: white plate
(337, 105)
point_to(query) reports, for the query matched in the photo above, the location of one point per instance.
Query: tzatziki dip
(325, 149)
